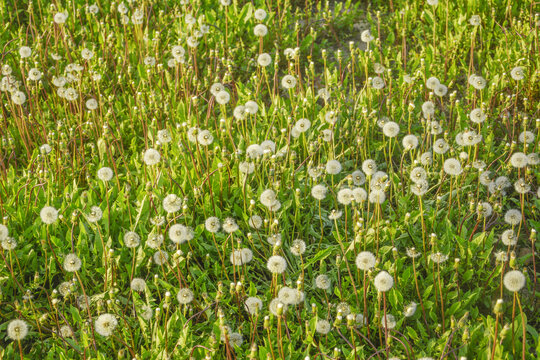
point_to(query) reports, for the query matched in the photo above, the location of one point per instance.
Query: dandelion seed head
(383, 281)
(276, 264)
(184, 296)
(514, 280)
(323, 326)
(72, 263)
(105, 324)
(48, 215)
(17, 330)
(365, 260)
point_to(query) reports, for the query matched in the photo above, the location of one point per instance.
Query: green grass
(443, 237)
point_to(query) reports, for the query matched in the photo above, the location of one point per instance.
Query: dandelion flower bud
(383, 281)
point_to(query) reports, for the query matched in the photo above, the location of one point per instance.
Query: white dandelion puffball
(410, 142)
(513, 217)
(323, 326)
(164, 136)
(365, 260)
(138, 284)
(184, 296)
(333, 167)
(178, 233)
(260, 30)
(276, 264)
(172, 203)
(345, 196)
(517, 73)
(514, 280)
(268, 197)
(223, 97)
(319, 192)
(383, 281)
(60, 18)
(452, 167)
(323, 282)
(410, 309)
(288, 82)
(151, 157)
(302, 125)
(212, 224)
(17, 330)
(519, 160)
(253, 305)
(94, 215)
(366, 36)
(298, 247)
(369, 167)
(4, 232)
(264, 60)
(72, 263)
(255, 221)
(18, 97)
(391, 129)
(25, 51)
(388, 321)
(105, 324)
(377, 83)
(432, 83)
(91, 104)
(105, 174)
(260, 14)
(48, 215)
(160, 257)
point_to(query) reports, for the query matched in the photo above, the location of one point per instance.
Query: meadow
(278, 179)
